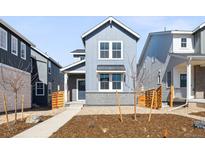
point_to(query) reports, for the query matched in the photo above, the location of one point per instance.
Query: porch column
(65, 88)
(188, 79)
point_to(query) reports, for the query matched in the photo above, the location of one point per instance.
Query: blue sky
(59, 35)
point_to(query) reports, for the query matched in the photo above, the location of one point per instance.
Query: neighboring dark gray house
(15, 52)
(46, 77)
(178, 58)
(104, 66)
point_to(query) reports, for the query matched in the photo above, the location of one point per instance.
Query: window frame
(21, 51)
(36, 89)
(181, 80)
(110, 83)
(110, 52)
(12, 39)
(183, 42)
(6, 48)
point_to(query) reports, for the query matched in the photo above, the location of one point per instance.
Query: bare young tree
(13, 80)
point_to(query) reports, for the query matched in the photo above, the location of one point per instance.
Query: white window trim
(110, 50)
(110, 84)
(43, 89)
(1, 29)
(12, 37)
(24, 52)
(183, 42)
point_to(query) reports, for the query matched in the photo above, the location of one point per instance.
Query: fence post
(152, 103)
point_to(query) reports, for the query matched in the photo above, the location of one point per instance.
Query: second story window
(23, 51)
(116, 50)
(14, 45)
(183, 42)
(104, 49)
(49, 67)
(3, 39)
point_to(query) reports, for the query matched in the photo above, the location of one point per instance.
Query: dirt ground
(109, 126)
(17, 128)
(201, 114)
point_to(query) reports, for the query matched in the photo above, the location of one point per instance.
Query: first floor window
(183, 80)
(116, 81)
(111, 81)
(104, 81)
(23, 50)
(14, 45)
(169, 79)
(3, 39)
(40, 89)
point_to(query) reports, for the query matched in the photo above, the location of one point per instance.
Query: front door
(81, 89)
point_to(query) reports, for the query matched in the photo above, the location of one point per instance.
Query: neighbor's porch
(189, 79)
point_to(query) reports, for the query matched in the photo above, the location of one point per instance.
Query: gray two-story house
(175, 57)
(46, 77)
(104, 66)
(15, 52)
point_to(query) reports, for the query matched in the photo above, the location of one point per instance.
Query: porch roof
(76, 67)
(194, 56)
(110, 68)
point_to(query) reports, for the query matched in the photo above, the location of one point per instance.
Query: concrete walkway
(48, 127)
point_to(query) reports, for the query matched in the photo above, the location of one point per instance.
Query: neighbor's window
(3, 39)
(104, 49)
(23, 51)
(169, 79)
(116, 81)
(183, 80)
(104, 81)
(49, 67)
(14, 45)
(116, 50)
(183, 42)
(40, 89)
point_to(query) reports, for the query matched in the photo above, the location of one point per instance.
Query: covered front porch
(189, 79)
(74, 83)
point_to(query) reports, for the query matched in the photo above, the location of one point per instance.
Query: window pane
(116, 50)
(183, 80)
(116, 85)
(116, 77)
(104, 77)
(104, 50)
(104, 81)
(104, 85)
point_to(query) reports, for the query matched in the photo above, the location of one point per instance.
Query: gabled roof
(72, 65)
(78, 52)
(46, 56)
(199, 27)
(16, 32)
(110, 19)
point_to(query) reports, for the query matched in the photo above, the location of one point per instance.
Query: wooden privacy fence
(171, 96)
(145, 100)
(57, 99)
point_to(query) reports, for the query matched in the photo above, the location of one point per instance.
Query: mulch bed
(109, 126)
(17, 128)
(201, 114)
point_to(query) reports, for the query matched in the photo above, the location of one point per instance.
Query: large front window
(110, 50)
(110, 82)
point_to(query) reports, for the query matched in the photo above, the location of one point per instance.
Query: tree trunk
(135, 105)
(16, 100)
(22, 106)
(5, 110)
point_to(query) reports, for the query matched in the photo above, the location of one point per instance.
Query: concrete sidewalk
(48, 127)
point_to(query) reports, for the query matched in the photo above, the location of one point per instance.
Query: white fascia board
(111, 19)
(110, 71)
(77, 53)
(199, 27)
(75, 72)
(69, 66)
(181, 32)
